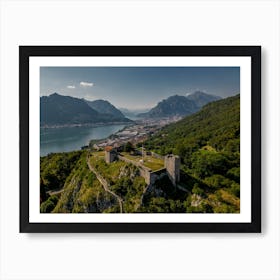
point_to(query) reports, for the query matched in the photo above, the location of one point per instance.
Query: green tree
(206, 163)
(197, 190)
(128, 147)
(218, 181)
(234, 174)
(43, 194)
(48, 205)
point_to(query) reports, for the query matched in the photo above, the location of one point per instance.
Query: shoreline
(85, 124)
(136, 131)
(126, 124)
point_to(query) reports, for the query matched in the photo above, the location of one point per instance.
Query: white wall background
(139, 256)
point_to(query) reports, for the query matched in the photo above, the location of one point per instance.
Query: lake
(66, 139)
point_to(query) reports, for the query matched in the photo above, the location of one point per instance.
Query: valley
(119, 173)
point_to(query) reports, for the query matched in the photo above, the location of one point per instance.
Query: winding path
(105, 184)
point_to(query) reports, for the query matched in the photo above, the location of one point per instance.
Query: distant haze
(138, 87)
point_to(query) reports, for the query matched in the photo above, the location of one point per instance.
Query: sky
(138, 87)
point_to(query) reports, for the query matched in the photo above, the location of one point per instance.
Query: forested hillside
(57, 109)
(81, 191)
(180, 105)
(216, 125)
(208, 144)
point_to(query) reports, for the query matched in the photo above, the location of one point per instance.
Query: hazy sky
(138, 87)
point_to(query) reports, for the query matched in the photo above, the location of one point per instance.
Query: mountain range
(179, 105)
(133, 113)
(208, 143)
(57, 109)
(105, 107)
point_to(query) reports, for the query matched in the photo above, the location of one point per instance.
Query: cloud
(86, 84)
(71, 87)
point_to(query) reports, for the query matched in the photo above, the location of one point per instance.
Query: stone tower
(172, 165)
(110, 154)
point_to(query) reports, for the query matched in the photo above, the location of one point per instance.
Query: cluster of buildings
(139, 131)
(135, 133)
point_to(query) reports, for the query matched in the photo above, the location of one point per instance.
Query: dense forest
(208, 144)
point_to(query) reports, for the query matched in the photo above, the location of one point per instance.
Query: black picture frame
(254, 52)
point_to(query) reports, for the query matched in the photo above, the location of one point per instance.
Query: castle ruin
(110, 154)
(172, 165)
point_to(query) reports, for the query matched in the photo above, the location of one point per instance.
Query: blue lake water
(66, 139)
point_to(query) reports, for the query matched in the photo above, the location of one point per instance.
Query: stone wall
(110, 156)
(149, 176)
(157, 156)
(130, 161)
(172, 165)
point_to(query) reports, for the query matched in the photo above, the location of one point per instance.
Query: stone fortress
(110, 154)
(171, 166)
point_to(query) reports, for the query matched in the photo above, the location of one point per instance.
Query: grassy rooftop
(149, 161)
(98, 154)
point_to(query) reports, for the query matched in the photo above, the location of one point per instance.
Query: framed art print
(140, 138)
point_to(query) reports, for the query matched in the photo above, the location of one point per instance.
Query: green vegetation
(82, 192)
(148, 160)
(123, 179)
(48, 205)
(163, 198)
(56, 167)
(153, 163)
(216, 125)
(128, 147)
(208, 144)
